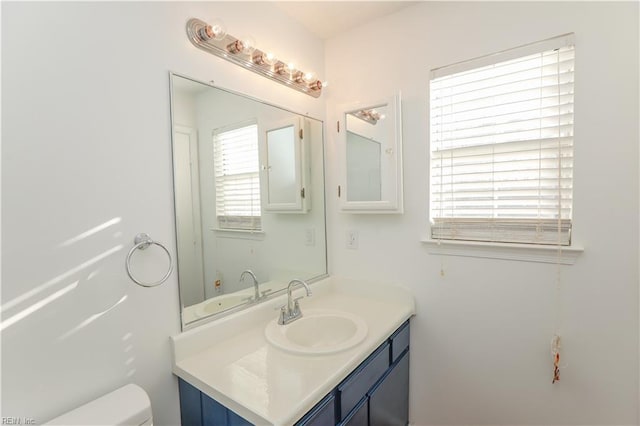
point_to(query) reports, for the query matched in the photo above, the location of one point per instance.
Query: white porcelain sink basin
(318, 332)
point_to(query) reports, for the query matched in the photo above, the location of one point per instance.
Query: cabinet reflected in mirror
(241, 167)
(282, 184)
(371, 151)
(287, 166)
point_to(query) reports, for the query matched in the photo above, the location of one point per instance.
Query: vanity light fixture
(371, 116)
(262, 58)
(214, 39)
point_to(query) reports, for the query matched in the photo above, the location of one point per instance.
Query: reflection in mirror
(281, 165)
(363, 168)
(287, 166)
(366, 130)
(372, 162)
(241, 167)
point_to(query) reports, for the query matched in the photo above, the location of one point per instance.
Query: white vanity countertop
(231, 361)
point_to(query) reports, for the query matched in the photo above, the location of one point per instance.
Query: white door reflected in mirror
(281, 153)
(286, 167)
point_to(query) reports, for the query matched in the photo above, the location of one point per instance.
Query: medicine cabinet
(286, 166)
(370, 152)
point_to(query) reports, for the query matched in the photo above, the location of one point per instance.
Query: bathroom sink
(318, 332)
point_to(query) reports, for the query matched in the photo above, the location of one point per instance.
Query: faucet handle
(265, 292)
(283, 314)
(296, 306)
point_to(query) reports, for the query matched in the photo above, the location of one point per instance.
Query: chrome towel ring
(142, 241)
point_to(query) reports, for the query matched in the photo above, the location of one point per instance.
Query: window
(502, 146)
(237, 179)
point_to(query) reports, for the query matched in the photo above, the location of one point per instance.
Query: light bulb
(309, 77)
(216, 30)
(249, 45)
(263, 58)
(270, 58)
(219, 29)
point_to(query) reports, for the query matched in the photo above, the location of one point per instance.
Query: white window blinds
(237, 179)
(502, 146)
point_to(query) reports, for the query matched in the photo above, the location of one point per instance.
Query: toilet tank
(128, 405)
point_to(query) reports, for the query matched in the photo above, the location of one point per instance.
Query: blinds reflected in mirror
(236, 164)
(502, 147)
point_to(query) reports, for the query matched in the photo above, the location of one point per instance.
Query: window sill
(504, 251)
(243, 234)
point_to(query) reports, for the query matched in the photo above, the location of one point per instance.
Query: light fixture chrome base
(220, 48)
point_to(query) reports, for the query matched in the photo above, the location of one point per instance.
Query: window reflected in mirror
(237, 177)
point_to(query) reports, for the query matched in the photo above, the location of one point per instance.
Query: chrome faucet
(256, 288)
(291, 311)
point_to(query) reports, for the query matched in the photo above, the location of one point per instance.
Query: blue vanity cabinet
(389, 398)
(190, 404)
(376, 393)
(323, 414)
(359, 416)
(355, 387)
(399, 341)
(382, 381)
(197, 409)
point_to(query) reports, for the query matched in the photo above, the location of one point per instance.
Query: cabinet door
(213, 413)
(359, 416)
(190, 404)
(355, 387)
(216, 414)
(389, 400)
(235, 420)
(286, 172)
(370, 157)
(323, 414)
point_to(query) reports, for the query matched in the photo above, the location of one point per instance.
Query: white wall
(480, 340)
(87, 165)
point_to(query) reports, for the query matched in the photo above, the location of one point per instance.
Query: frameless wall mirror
(241, 167)
(370, 138)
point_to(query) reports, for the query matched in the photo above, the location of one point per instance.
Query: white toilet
(128, 405)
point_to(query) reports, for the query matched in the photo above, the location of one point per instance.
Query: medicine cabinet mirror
(370, 146)
(287, 166)
(249, 195)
